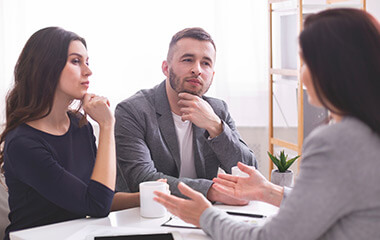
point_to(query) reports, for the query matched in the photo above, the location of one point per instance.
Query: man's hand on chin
(199, 112)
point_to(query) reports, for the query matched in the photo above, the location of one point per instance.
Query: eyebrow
(76, 54)
(192, 55)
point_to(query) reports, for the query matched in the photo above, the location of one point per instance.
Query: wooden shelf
(284, 144)
(299, 8)
(284, 72)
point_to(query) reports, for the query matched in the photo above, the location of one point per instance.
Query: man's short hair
(194, 33)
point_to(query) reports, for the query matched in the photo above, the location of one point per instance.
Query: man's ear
(165, 68)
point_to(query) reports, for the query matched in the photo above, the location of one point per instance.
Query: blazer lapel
(166, 123)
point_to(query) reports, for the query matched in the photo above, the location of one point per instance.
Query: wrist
(109, 124)
(272, 194)
(215, 129)
(211, 194)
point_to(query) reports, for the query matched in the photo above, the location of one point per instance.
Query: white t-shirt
(184, 131)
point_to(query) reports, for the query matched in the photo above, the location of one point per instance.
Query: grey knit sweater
(336, 196)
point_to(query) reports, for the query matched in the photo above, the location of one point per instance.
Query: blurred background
(128, 40)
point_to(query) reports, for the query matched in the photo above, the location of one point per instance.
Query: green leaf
(283, 159)
(290, 162)
(275, 161)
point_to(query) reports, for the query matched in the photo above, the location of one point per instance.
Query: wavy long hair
(341, 47)
(36, 77)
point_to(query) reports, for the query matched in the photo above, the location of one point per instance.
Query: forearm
(219, 225)
(230, 149)
(105, 164)
(123, 200)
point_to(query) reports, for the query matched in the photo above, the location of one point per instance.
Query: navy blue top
(48, 176)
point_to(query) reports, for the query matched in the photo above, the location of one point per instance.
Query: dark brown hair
(36, 77)
(341, 47)
(194, 33)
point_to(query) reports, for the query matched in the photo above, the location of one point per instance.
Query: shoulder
(21, 139)
(140, 100)
(216, 104)
(144, 102)
(349, 142)
(349, 130)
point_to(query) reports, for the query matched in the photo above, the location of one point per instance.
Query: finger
(169, 201)
(162, 180)
(187, 191)
(169, 206)
(224, 182)
(86, 98)
(228, 177)
(225, 190)
(246, 168)
(185, 103)
(185, 110)
(186, 117)
(187, 96)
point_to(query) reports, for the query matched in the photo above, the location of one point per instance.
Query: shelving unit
(298, 8)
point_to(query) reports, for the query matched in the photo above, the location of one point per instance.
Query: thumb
(245, 168)
(187, 191)
(86, 98)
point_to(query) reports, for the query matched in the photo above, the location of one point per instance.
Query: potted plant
(282, 175)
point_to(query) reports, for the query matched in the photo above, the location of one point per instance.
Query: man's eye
(186, 60)
(206, 63)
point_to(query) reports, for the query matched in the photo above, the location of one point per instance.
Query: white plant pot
(284, 179)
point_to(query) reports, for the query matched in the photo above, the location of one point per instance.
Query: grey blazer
(147, 148)
(336, 195)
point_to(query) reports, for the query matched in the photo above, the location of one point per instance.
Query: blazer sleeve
(228, 146)
(32, 162)
(135, 164)
(321, 196)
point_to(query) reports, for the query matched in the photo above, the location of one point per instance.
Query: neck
(336, 117)
(172, 98)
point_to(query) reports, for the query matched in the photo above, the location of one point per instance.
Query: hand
(199, 112)
(167, 185)
(97, 108)
(247, 188)
(254, 187)
(189, 210)
(215, 195)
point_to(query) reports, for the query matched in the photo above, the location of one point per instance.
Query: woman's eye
(75, 61)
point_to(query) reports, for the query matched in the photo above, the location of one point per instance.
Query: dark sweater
(48, 176)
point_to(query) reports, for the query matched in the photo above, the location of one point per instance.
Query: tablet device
(151, 236)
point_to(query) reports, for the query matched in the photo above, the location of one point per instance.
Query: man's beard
(178, 86)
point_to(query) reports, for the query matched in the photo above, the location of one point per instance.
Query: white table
(126, 221)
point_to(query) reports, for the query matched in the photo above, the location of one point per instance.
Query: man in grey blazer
(173, 131)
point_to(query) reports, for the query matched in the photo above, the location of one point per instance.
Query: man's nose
(196, 69)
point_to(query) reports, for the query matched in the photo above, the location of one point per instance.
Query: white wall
(127, 41)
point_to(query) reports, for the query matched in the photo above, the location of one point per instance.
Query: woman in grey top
(337, 194)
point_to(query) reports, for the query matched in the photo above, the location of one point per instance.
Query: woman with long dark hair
(53, 170)
(337, 193)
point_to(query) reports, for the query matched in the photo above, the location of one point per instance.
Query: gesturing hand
(199, 112)
(246, 188)
(189, 210)
(97, 108)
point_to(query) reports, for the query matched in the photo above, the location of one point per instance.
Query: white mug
(148, 207)
(235, 171)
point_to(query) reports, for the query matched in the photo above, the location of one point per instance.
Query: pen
(246, 214)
